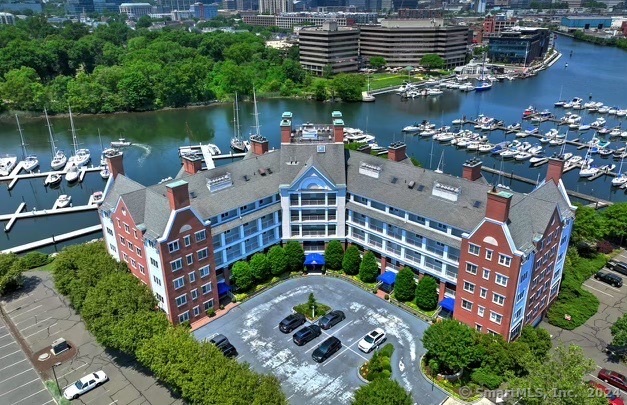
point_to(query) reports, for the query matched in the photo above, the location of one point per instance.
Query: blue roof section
(448, 304)
(389, 277)
(314, 258)
(223, 288)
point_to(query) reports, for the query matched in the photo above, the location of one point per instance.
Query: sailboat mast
(19, 129)
(52, 145)
(237, 131)
(256, 113)
(100, 139)
(74, 141)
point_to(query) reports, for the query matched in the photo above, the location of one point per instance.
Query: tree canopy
(432, 61)
(427, 293)
(405, 285)
(619, 331)
(351, 261)
(368, 269)
(242, 275)
(278, 260)
(382, 391)
(334, 254)
(451, 343)
(295, 255)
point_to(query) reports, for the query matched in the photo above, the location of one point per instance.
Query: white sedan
(372, 340)
(85, 384)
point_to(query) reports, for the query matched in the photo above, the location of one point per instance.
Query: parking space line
(17, 351)
(31, 395)
(337, 330)
(8, 344)
(359, 354)
(46, 403)
(73, 370)
(596, 289)
(39, 331)
(7, 392)
(333, 358)
(16, 300)
(114, 402)
(11, 365)
(605, 285)
(35, 324)
(25, 312)
(4, 335)
(25, 371)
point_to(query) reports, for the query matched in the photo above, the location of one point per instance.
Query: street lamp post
(57, 364)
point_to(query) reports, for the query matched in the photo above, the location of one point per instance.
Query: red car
(613, 378)
(612, 397)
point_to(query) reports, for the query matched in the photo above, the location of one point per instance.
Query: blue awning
(223, 288)
(448, 304)
(389, 277)
(314, 258)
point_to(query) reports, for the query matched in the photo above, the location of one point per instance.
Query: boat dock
(53, 239)
(594, 201)
(14, 177)
(41, 213)
(9, 225)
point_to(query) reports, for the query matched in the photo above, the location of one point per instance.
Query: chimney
(555, 170)
(397, 151)
(259, 144)
(338, 127)
(472, 169)
(115, 163)
(192, 164)
(178, 195)
(286, 127)
(497, 207)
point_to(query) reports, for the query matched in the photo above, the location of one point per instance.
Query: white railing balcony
(312, 202)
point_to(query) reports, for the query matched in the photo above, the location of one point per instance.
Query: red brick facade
(130, 243)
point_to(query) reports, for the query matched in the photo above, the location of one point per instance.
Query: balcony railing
(314, 217)
(312, 202)
(314, 233)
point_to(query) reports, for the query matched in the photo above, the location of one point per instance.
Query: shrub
(260, 267)
(368, 269)
(211, 312)
(380, 365)
(434, 366)
(451, 343)
(405, 285)
(351, 261)
(382, 391)
(278, 260)
(295, 255)
(10, 273)
(427, 293)
(333, 255)
(33, 259)
(486, 378)
(605, 247)
(242, 275)
(387, 350)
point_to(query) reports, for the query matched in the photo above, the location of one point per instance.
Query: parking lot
(252, 328)
(40, 316)
(594, 335)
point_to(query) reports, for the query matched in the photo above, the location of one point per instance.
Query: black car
(331, 319)
(326, 349)
(609, 278)
(219, 341)
(291, 322)
(307, 334)
(229, 350)
(618, 267)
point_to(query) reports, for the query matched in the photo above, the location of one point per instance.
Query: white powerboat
(509, 153)
(30, 162)
(7, 164)
(523, 155)
(59, 160)
(120, 143)
(97, 197)
(52, 179)
(588, 171)
(63, 201)
(105, 173)
(485, 147)
(72, 174)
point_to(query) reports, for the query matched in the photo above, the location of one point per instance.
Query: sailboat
(484, 85)
(58, 157)
(30, 162)
(257, 131)
(622, 176)
(440, 164)
(81, 156)
(561, 101)
(104, 172)
(237, 143)
(366, 96)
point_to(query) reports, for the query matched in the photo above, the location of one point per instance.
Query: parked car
(229, 350)
(85, 384)
(609, 278)
(618, 267)
(613, 378)
(306, 334)
(372, 340)
(326, 349)
(613, 397)
(222, 343)
(291, 322)
(331, 319)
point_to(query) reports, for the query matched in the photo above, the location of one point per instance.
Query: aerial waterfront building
(291, 20)
(135, 10)
(329, 45)
(521, 45)
(577, 23)
(497, 254)
(7, 19)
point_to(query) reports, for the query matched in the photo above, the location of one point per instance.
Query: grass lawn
(305, 309)
(47, 267)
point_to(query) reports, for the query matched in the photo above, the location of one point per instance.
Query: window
(207, 305)
(192, 277)
(196, 311)
(130, 246)
(184, 317)
(134, 233)
(179, 282)
(126, 229)
(206, 289)
(496, 318)
(470, 287)
(488, 254)
(467, 305)
(112, 247)
(478, 327)
(520, 295)
(190, 258)
(125, 257)
(187, 239)
(119, 226)
(154, 262)
(483, 292)
(505, 260)
(159, 298)
(122, 240)
(181, 300)
(480, 311)
(471, 268)
(518, 313)
(173, 246)
(194, 293)
(176, 264)
(498, 299)
(501, 280)
(486, 274)
(473, 249)
(204, 271)
(110, 231)
(201, 235)
(202, 254)
(133, 263)
(156, 280)
(139, 252)
(141, 269)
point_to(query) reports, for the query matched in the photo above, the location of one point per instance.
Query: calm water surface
(592, 70)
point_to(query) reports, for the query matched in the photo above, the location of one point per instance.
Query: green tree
(615, 217)
(562, 371)
(619, 331)
(242, 275)
(377, 62)
(327, 71)
(382, 391)
(351, 261)
(10, 273)
(405, 285)
(589, 225)
(260, 267)
(144, 22)
(538, 340)
(132, 330)
(278, 260)
(334, 254)
(295, 255)
(368, 269)
(348, 86)
(427, 293)
(22, 89)
(320, 90)
(432, 61)
(451, 343)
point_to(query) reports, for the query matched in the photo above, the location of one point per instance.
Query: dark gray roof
(121, 185)
(157, 213)
(330, 163)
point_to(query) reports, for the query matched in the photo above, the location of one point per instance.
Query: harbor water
(592, 72)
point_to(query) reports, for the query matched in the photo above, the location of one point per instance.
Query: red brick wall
(121, 221)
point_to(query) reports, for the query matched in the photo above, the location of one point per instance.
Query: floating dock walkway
(53, 239)
(14, 177)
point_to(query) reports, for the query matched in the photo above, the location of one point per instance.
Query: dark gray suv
(609, 278)
(306, 334)
(291, 322)
(618, 267)
(326, 349)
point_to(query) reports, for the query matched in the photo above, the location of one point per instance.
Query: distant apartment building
(275, 6)
(291, 20)
(420, 13)
(329, 45)
(7, 19)
(405, 42)
(575, 23)
(522, 46)
(204, 11)
(498, 23)
(18, 7)
(135, 10)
